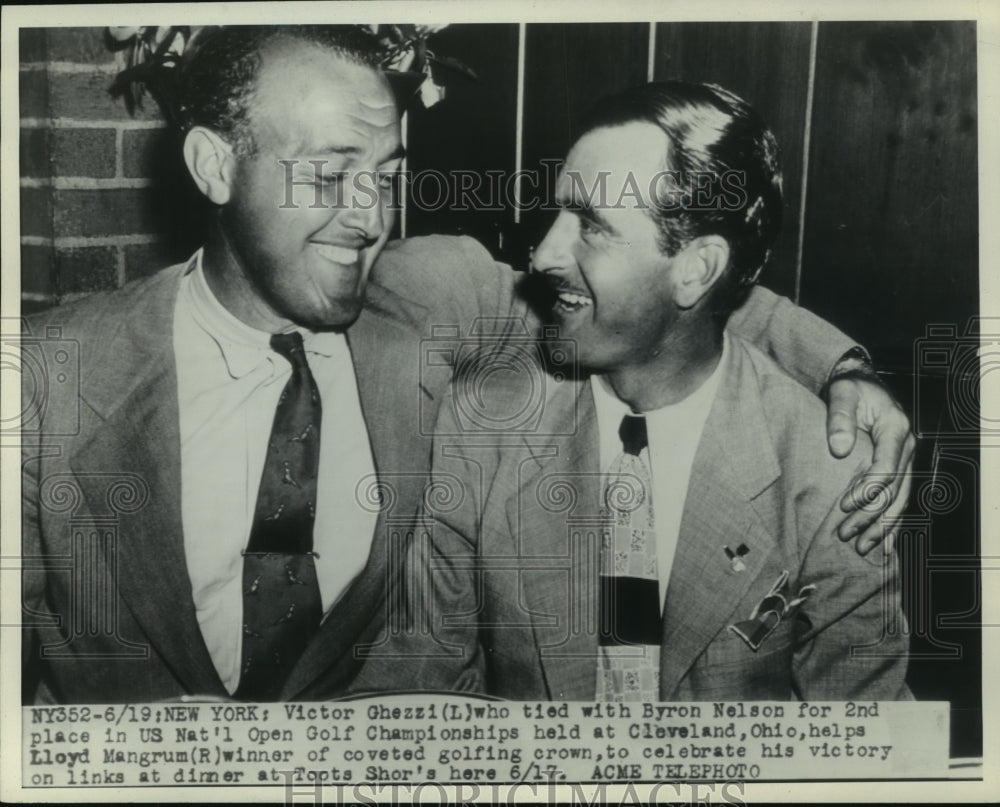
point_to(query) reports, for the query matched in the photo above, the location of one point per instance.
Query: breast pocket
(730, 648)
(729, 669)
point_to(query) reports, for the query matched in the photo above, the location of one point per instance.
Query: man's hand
(876, 500)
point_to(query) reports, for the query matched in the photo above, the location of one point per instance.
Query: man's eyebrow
(586, 211)
(336, 148)
(398, 154)
(352, 151)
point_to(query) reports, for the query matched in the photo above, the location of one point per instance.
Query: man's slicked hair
(219, 77)
(713, 133)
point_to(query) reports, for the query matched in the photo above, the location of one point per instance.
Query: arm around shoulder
(432, 640)
(804, 345)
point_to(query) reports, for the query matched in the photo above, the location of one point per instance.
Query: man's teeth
(568, 298)
(337, 254)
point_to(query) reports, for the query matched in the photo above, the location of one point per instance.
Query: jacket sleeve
(39, 402)
(433, 634)
(452, 279)
(805, 346)
(32, 578)
(490, 306)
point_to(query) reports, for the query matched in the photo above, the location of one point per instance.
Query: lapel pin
(736, 558)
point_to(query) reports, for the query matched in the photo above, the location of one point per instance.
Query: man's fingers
(893, 441)
(885, 527)
(870, 496)
(842, 417)
(892, 452)
(878, 498)
(872, 537)
(874, 491)
(862, 519)
(909, 450)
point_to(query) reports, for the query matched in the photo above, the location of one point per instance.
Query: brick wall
(104, 196)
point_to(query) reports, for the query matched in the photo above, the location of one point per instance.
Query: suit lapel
(555, 518)
(139, 443)
(734, 463)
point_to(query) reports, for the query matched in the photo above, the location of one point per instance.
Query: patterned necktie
(282, 608)
(630, 628)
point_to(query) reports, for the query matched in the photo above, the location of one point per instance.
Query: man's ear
(700, 265)
(210, 160)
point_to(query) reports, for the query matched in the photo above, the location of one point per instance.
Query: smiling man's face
(602, 257)
(306, 235)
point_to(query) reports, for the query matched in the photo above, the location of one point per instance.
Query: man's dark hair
(219, 77)
(713, 134)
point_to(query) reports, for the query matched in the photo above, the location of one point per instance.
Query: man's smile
(569, 301)
(566, 299)
(342, 256)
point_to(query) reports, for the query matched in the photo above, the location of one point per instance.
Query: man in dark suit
(212, 511)
(679, 541)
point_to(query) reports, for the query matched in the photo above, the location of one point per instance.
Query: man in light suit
(139, 486)
(143, 487)
(668, 528)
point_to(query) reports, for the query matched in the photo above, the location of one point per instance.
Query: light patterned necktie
(282, 608)
(630, 626)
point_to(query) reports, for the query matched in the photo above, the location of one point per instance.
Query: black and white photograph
(438, 402)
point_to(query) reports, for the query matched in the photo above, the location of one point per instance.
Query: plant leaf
(453, 64)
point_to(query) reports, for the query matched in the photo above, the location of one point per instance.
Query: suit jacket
(108, 610)
(107, 596)
(513, 571)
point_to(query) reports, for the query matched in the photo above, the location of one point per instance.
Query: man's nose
(555, 251)
(365, 211)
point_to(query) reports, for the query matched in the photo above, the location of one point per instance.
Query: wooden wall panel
(472, 129)
(568, 67)
(891, 247)
(768, 65)
(892, 214)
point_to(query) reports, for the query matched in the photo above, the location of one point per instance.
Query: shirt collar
(323, 343)
(688, 416)
(244, 349)
(690, 412)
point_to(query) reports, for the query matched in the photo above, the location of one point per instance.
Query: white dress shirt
(228, 383)
(674, 433)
